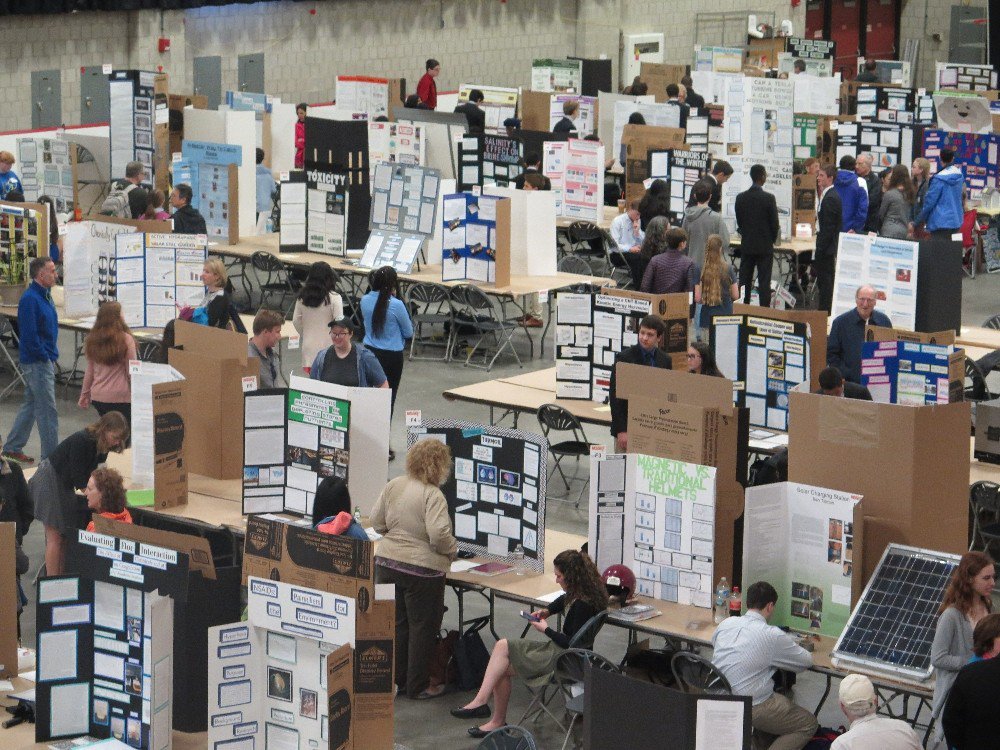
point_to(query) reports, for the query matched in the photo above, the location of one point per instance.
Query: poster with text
(887, 265)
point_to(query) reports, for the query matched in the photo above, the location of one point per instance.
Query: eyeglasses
(339, 334)
(693, 356)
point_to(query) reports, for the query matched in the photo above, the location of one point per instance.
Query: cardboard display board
(657, 76)
(176, 104)
(211, 169)
(889, 266)
(404, 211)
(803, 201)
(197, 549)
(656, 116)
(396, 143)
(24, 235)
(606, 102)
(667, 523)
(292, 440)
(961, 76)
(8, 590)
(338, 184)
(815, 319)
(975, 154)
(48, 167)
(638, 141)
(939, 288)
(105, 666)
(150, 274)
(892, 104)
(476, 243)
(140, 124)
(268, 676)
(339, 565)
(910, 463)
(499, 104)
(817, 54)
(158, 404)
(363, 94)
(902, 372)
(681, 169)
(484, 159)
(889, 144)
(292, 192)
(592, 329)
(496, 495)
(813, 570)
(564, 76)
(532, 230)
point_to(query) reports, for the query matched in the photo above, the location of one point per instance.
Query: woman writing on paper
(108, 347)
(316, 307)
(585, 595)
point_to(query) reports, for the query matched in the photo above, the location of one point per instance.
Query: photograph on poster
(279, 684)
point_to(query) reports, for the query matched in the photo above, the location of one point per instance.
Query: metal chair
(554, 418)
(430, 305)
(276, 280)
(148, 351)
(571, 670)
(696, 674)
(992, 322)
(574, 264)
(479, 316)
(984, 505)
(975, 388)
(620, 271)
(236, 268)
(508, 738)
(588, 241)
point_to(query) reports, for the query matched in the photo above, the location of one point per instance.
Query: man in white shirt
(868, 730)
(748, 651)
(625, 230)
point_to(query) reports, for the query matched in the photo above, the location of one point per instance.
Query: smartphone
(529, 616)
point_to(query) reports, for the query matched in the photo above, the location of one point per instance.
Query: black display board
(487, 158)
(340, 147)
(534, 140)
(939, 285)
(596, 76)
(292, 215)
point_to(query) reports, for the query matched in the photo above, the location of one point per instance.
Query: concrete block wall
(915, 25)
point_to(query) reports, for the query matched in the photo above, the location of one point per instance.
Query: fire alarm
(164, 44)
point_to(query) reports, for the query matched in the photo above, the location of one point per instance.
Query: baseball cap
(342, 323)
(857, 693)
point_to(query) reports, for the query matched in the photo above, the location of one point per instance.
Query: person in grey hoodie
(700, 221)
(895, 210)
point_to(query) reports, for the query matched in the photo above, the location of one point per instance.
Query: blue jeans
(39, 406)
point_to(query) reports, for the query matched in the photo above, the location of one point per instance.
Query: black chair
(554, 418)
(574, 264)
(508, 738)
(478, 316)
(975, 388)
(984, 505)
(430, 305)
(587, 240)
(571, 670)
(619, 269)
(276, 280)
(696, 674)
(992, 322)
(148, 351)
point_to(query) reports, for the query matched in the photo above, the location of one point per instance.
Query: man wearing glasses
(847, 334)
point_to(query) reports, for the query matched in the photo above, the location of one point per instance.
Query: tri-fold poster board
(889, 266)
(404, 213)
(914, 373)
(140, 124)
(212, 171)
(338, 183)
(681, 169)
(488, 158)
(497, 491)
(47, 166)
(637, 143)
(499, 103)
(476, 241)
(975, 154)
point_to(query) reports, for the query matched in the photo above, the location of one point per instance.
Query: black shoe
(479, 712)
(477, 733)
(392, 455)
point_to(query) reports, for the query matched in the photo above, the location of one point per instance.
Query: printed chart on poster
(151, 274)
(499, 104)
(267, 676)
(976, 154)
(583, 184)
(364, 95)
(292, 192)
(903, 372)
(667, 523)
(554, 155)
(814, 570)
(104, 661)
(404, 211)
(327, 203)
(395, 143)
(887, 265)
(681, 170)
(292, 441)
(470, 237)
(497, 490)
(765, 358)
(47, 166)
(132, 120)
(557, 75)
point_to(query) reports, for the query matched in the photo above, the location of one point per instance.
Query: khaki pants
(781, 725)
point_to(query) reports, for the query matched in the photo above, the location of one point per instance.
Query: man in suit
(532, 165)
(571, 108)
(694, 100)
(847, 333)
(832, 383)
(829, 219)
(474, 115)
(757, 223)
(721, 171)
(647, 352)
(673, 99)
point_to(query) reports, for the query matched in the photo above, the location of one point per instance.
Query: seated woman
(701, 360)
(535, 661)
(332, 510)
(105, 493)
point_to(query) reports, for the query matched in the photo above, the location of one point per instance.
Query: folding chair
(975, 388)
(575, 264)
(430, 305)
(984, 505)
(587, 240)
(554, 418)
(619, 269)
(508, 738)
(571, 669)
(696, 674)
(992, 322)
(148, 351)
(236, 268)
(276, 281)
(479, 316)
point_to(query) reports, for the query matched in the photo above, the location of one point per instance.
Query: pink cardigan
(108, 384)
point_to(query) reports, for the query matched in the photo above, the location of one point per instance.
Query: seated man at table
(869, 730)
(646, 352)
(847, 334)
(832, 383)
(748, 651)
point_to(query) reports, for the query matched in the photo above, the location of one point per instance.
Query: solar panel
(892, 627)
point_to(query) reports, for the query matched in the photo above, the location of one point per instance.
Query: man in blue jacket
(39, 334)
(853, 196)
(847, 334)
(942, 210)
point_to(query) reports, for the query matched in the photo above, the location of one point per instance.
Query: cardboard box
(639, 140)
(816, 319)
(910, 463)
(295, 554)
(803, 200)
(679, 431)
(883, 333)
(677, 387)
(170, 480)
(214, 362)
(8, 613)
(658, 75)
(340, 697)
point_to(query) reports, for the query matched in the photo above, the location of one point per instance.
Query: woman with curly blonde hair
(535, 661)
(415, 553)
(108, 347)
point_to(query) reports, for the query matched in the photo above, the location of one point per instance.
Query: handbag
(471, 655)
(443, 670)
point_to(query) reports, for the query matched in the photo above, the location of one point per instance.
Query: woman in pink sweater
(108, 347)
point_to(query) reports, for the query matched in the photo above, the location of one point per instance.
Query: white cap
(857, 693)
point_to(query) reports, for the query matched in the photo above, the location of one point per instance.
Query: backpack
(116, 204)
(823, 738)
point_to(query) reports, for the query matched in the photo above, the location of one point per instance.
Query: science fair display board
(292, 440)
(47, 166)
(681, 170)
(363, 94)
(592, 329)
(105, 635)
(814, 570)
(903, 106)
(657, 516)
(975, 153)
(581, 179)
(817, 54)
(765, 358)
(496, 494)
(889, 144)
(965, 77)
(656, 115)
(293, 193)
(499, 104)
(476, 239)
(404, 211)
(268, 676)
(211, 169)
(889, 266)
(338, 184)
(917, 374)
(139, 124)
(395, 143)
(564, 76)
(486, 159)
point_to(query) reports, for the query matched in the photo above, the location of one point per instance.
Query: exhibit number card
(813, 570)
(889, 266)
(497, 491)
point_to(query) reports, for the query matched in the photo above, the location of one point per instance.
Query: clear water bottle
(721, 600)
(519, 560)
(735, 602)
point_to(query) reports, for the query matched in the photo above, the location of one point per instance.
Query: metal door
(207, 76)
(250, 72)
(967, 42)
(845, 18)
(46, 99)
(880, 30)
(95, 103)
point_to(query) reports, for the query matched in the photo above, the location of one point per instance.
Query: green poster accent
(140, 498)
(324, 411)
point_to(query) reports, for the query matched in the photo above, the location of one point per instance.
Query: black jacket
(474, 116)
(519, 180)
(652, 206)
(565, 125)
(695, 101)
(830, 220)
(757, 221)
(715, 202)
(970, 715)
(852, 390)
(619, 406)
(187, 220)
(75, 458)
(15, 503)
(874, 183)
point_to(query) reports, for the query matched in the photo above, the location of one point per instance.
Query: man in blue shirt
(8, 178)
(265, 185)
(942, 208)
(847, 334)
(39, 334)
